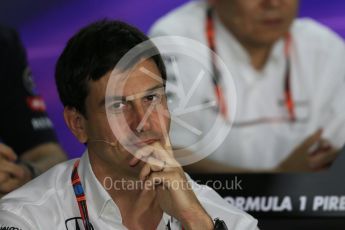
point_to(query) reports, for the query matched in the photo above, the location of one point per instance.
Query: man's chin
(136, 169)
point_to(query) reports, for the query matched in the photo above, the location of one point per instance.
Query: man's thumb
(312, 139)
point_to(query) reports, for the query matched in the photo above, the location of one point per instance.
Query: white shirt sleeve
(9, 220)
(217, 207)
(330, 93)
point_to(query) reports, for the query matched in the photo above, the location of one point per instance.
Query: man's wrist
(219, 225)
(201, 221)
(34, 172)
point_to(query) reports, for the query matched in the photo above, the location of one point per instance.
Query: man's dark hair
(90, 54)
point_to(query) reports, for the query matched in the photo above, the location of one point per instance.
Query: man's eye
(152, 97)
(118, 106)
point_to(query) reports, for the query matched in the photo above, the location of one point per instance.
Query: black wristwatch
(219, 225)
(33, 170)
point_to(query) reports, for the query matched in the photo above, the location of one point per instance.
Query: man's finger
(9, 185)
(168, 145)
(4, 177)
(152, 165)
(311, 140)
(145, 171)
(325, 144)
(156, 150)
(322, 159)
(12, 169)
(144, 152)
(156, 165)
(157, 178)
(7, 153)
(162, 153)
(165, 179)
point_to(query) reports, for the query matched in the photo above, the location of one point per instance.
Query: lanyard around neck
(80, 196)
(210, 35)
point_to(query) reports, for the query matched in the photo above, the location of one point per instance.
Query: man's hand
(12, 175)
(323, 157)
(313, 154)
(176, 197)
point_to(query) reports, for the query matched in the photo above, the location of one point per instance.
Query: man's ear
(76, 123)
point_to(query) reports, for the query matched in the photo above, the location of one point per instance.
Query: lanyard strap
(80, 196)
(210, 35)
(289, 102)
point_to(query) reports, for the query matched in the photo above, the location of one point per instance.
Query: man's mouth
(272, 21)
(142, 143)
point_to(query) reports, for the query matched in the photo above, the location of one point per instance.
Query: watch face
(220, 225)
(191, 97)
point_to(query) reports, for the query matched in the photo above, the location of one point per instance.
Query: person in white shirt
(128, 177)
(289, 78)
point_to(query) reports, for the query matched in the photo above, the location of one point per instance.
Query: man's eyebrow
(124, 98)
(149, 90)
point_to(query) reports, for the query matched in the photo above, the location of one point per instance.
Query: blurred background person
(289, 77)
(28, 145)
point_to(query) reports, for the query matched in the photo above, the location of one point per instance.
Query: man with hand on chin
(124, 125)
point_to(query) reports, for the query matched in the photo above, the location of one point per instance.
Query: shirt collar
(97, 197)
(277, 51)
(98, 200)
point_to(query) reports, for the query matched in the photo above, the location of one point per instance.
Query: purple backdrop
(45, 31)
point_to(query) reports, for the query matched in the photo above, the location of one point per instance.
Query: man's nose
(141, 117)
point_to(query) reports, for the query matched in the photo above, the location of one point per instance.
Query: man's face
(257, 22)
(134, 108)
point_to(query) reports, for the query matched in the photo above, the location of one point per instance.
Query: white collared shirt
(317, 82)
(48, 202)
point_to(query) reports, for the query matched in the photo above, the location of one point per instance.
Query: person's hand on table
(12, 175)
(313, 154)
